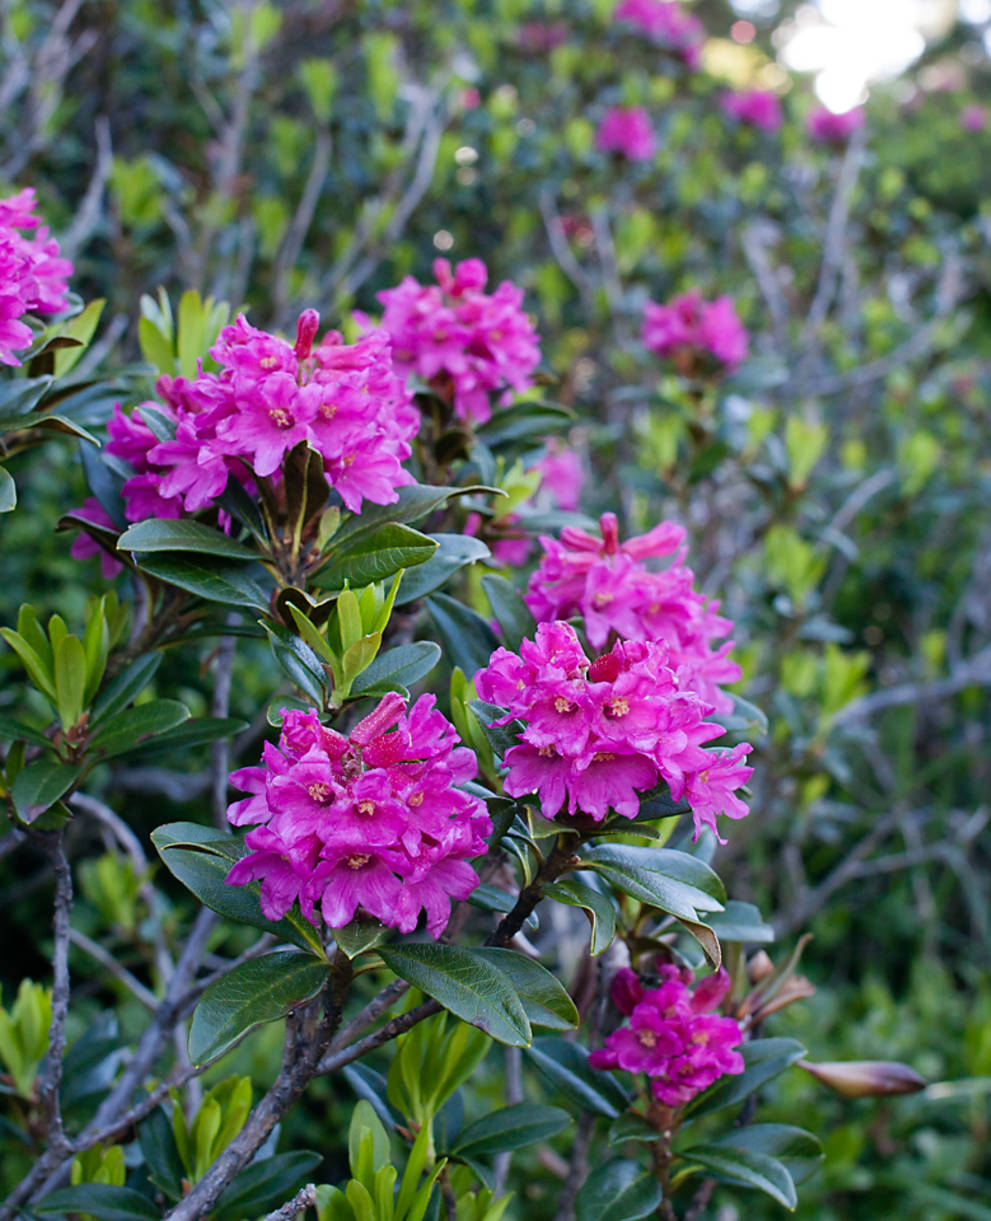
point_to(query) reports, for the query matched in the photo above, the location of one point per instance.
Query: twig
(220, 707)
(560, 249)
(976, 671)
(292, 243)
(60, 989)
(90, 208)
(579, 1168)
(116, 969)
(305, 1198)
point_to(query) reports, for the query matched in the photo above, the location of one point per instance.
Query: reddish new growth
(374, 821)
(673, 1034)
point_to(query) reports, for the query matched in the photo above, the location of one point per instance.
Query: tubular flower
(667, 24)
(627, 130)
(672, 1033)
(33, 275)
(346, 401)
(758, 108)
(825, 127)
(465, 342)
(689, 329)
(597, 734)
(608, 584)
(375, 820)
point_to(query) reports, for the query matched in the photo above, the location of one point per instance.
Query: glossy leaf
(104, 1201)
(249, 995)
(226, 581)
(199, 731)
(127, 730)
(375, 557)
(182, 535)
(38, 786)
(454, 552)
(746, 1168)
(601, 909)
(565, 1065)
(415, 501)
(740, 922)
(467, 639)
(764, 1060)
(545, 999)
(265, 1184)
(128, 684)
(398, 669)
(468, 984)
(511, 1128)
(618, 1191)
(512, 613)
(657, 876)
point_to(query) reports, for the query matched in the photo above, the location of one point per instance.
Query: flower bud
(866, 1078)
(306, 329)
(759, 967)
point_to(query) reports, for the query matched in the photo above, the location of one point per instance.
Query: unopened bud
(759, 967)
(306, 329)
(866, 1078)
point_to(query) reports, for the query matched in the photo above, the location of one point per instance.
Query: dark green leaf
(184, 535)
(298, 661)
(19, 396)
(525, 420)
(513, 614)
(618, 1191)
(632, 1127)
(740, 922)
(226, 581)
(39, 785)
(601, 909)
(746, 1168)
(196, 732)
(11, 728)
(161, 1157)
(397, 668)
(359, 936)
(125, 687)
(467, 984)
(764, 1060)
(467, 639)
(511, 1128)
(565, 1065)
(101, 1200)
(375, 557)
(129, 728)
(638, 872)
(415, 502)
(255, 992)
(454, 552)
(544, 997)
(265, 1185)
(500, 737)
(104, 482)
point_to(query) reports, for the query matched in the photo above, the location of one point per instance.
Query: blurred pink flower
(688, 327)
(627, 130)
(974, 118)
(666, 23)
(828, 128)
(758, 108)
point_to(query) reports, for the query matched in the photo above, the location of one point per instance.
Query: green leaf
(397, 669)
(523, 420)
(631, 1127)
(196, 732)
(128, 729)
(18, 397)
(81, 328)
(8, 491)
(255, 992)
(467, 639)
(298, 661)
(39, 785)
(765, 1059)
(38, 666)
(359, 936)
(70, 680)
(182, 535)
(454, 552)
(467, 984)
(514, 616)
(740, 922)
(545, 999)
(125, 687)
(565, 1065)
(706, 938)
(511, 1128)
(101, 1200)
(161, 1155)
(670, 881)
(228, 582)
(374, 557)
(204, 870)
(414, 502)
(618, 1191)
(601, 909)
(799, 1151)
(14, 729)
(745, 1168)
(265, 1185)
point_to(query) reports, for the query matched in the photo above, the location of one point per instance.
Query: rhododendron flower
(467, 343)
(673, 1035)
(974, 118)
(667, 24)
(689, 329)
(608, 584)
(627, 130)
(33, 275)
(597, 734)
(828, 128)
(758, 108)
(374, 821)
(346, 401)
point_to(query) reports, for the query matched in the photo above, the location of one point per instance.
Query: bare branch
(60, 989)
(305, 1198)
(116, 969)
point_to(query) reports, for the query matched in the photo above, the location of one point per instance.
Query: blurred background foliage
(836, 488)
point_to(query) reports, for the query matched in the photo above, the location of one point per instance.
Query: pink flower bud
(866, 1078)
(306, 329)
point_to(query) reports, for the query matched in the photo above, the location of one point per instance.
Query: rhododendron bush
(495, 625)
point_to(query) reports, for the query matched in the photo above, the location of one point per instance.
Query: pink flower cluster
(597, 734)
(666, 23)
(465, 342)
(374, 820)
(33, 275)
(626, 130)
(607, 583)
(673, 1034)
(346, 401)
(828, 128)
(688, 329)
(758, 108)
